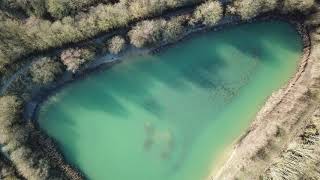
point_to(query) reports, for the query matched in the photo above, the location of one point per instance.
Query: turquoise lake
(171, 115)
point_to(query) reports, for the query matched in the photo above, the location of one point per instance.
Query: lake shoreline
(284, 111)
(34, 105)
(102, 63)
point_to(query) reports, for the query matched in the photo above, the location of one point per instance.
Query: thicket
(298, 5)
(11, 43)
(18, 38)
(62, 8)
(14, 138)
(144, 8)
(21, 142)
(22, 37)
(151, 32)
(208, 13)
(116, 44)
(7, 171)
(313, 20)
(56, 8)
(248, 9)
(30, 7)
(45, 70)
(74, 58)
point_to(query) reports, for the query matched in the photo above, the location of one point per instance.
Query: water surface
(169, 116)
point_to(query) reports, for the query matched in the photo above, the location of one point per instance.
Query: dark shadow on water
(134, 82)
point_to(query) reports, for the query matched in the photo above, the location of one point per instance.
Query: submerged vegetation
(39, 39)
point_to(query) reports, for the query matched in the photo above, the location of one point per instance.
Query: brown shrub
(297, 5)
(45, 70)
(209, 13)
(116, 45)
(151, 32)
(248, 9)
(74, 58)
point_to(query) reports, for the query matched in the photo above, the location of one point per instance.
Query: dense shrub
(297, 5)
(14, 136)
(45, 70)
(10, 109)
(248, 9)
(209, 13)
(30, 7)
(38, 34)
(143, 8)
(19, 38)
(18, 141)
(313, 19)
(146, 33)
(29, 165)
(58, 8)
(22, 37)
(173, 29)
(74, 58)
(12, 45)
(251, 8)
(315, 37)
(63, 8)
(116, 44)
(7, 171)
(151, 32)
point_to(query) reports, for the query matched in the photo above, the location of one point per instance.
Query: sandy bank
(277, 123)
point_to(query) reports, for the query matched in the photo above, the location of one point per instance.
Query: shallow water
(170, 116)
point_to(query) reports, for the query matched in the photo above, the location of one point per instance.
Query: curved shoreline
(284, 111)
(107, 61)
(32, 106)
(39, 97)
(108, 64)
(265, 151)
